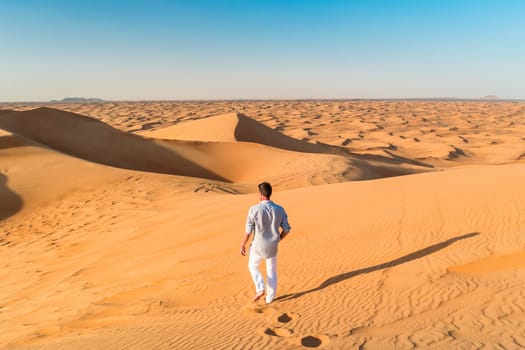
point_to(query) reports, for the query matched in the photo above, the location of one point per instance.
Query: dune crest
(93, 140)
(89, 139)
(234, 127)
(229, 148)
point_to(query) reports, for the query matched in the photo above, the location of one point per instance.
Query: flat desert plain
(120, 224)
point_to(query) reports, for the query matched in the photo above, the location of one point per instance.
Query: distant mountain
(489, 97)
(78, 100)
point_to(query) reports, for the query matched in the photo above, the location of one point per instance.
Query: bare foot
(258, 296)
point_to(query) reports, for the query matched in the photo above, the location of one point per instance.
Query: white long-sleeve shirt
(264, 220)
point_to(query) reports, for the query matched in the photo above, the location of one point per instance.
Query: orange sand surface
(120, 224)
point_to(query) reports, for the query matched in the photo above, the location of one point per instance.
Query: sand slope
(90, 139)
(243, 132)
(349, 276)
(440, 133)
(33, 175)
(234, 127)
(272, 156)
(107, 251)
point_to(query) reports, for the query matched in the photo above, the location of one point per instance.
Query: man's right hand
(243, 250)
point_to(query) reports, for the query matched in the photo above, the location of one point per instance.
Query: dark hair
(266, 189)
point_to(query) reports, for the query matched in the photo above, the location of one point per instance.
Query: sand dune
(426, 131)
(349, 276)
(115, 240)
(90, 139)
(234, 127)
(34, 175)
(239, 129)
(216, 152)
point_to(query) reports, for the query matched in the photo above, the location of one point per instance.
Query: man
(264, 219)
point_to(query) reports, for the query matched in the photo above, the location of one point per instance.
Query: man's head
(265, 190)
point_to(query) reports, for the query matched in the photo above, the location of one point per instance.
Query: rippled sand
(120, 224)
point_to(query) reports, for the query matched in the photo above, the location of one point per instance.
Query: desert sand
(120, 224)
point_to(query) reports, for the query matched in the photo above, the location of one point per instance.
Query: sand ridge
(441, 133)
(234, 127)
(100, 255)
(220, 148)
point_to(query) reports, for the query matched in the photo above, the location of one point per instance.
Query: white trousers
(271, 275)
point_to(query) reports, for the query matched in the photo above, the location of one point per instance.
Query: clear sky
(267, 49)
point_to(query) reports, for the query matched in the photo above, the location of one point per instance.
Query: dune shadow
(250, 130)
(92, 140)
(10, 202)
(372, 166)
(404, 259)
(11, 141)
(393, 159)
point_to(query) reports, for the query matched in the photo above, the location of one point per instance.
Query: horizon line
(101, 100)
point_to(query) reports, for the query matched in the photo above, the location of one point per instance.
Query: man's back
(265, 219)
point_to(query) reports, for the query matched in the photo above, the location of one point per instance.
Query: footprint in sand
(278, 332)
(286, 317)
(259, 310)
(309, 341)
(315, 341)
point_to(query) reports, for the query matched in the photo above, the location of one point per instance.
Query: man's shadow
(404, 259)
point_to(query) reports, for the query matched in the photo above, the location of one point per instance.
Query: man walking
(264, 220)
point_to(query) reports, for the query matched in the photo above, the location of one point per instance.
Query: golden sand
(120, 224)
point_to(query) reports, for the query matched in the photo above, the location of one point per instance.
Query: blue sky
(134, 50)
